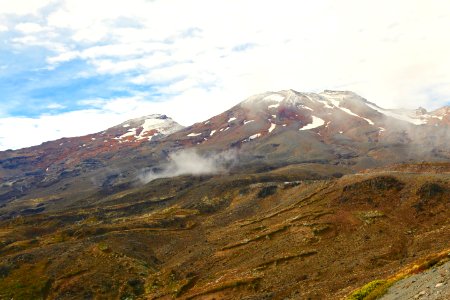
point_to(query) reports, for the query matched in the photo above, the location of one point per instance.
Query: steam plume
(191, 162)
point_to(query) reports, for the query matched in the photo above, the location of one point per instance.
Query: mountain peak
(147, 127)
(334, 92)
(327, 99)
(146, 117)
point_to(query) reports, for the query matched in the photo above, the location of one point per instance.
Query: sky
(73, 67)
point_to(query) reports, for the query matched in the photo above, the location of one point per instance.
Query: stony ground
(434, 284)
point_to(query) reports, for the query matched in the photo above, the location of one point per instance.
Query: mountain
(46, 164)
(266, 131)
(286, 195)
(331, 127)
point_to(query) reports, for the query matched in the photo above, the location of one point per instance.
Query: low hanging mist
(190, 162)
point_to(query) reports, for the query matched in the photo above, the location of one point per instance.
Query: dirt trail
(434, 284)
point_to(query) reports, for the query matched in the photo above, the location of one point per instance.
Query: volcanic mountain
(265, 131)
(48, 163)
(339, 128)
(295, 196)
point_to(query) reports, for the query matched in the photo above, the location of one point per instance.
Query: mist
(190, 162)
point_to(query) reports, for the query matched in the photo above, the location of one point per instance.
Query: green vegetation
(367, 290)
(370, 216)
(103, 247)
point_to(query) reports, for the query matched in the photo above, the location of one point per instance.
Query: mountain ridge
(284, 196)
(267, 130)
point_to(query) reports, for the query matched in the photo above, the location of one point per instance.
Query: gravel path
(433, 284)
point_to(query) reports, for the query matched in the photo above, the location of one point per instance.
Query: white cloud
(3, 28)
(63, 57)
(33, 40)
(29, 27)
(16, 132)
(55, 106)
(320, 46)
(23, 7)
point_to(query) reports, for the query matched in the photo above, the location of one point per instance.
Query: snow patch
(194, 134)
(337, 104)
(273, 105)
(249, 121)
(231, 119)
(212, 132)
(252, 137)
(305, 107)
(162, 126)
(398, 116)
(272, 127)
(206, 122)
(326, 104)
(150, 124)
(353, 114)
(126, 125)
(316, 122)
(131, 132)
(274, 97)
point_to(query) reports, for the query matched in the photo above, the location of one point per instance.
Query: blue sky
(102, 62)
